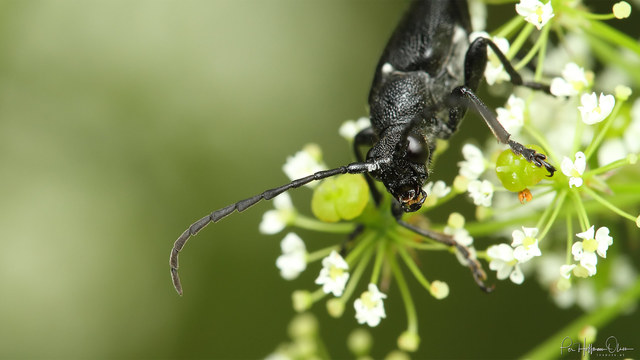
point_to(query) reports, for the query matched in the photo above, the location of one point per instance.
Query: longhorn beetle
(424, 82)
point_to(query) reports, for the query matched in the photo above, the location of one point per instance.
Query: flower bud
(360, 342)
(409, 341)
(301, 300)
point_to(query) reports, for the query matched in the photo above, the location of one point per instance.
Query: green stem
(609, 205)
(597, 318)
(581, 211)
(377, 265)
(519, 41)
(412, 317)
(308, 223)
(414, 268)
(603, 131)
(543, 52)
(534, 49)
(510, 27)
(606, 32)
(630, 159)
(556, 209)
(360, 247)
(569, 239)
(356, 275)
(546, 212)
(540, 140)
(319, 254)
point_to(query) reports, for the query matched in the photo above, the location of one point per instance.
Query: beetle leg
(476, 268)
(462, 97)
(475, 63)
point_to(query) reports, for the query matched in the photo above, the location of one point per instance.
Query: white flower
(455, 228)
(512, 115)
(461, 236)
(303, 163)
(474, 165)
(565, 270)
(274, 221)
(293, 260)
(574, 169)
(585, 250)
(504, 263)
(369, 307)
(535, 12)
(572, 82)
(333, 275)
(350, 128)
(481, 192)
(435, 191)
(594, 109)
(494, 72)
(525, 244)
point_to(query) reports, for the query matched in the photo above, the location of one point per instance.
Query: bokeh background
(122, 122)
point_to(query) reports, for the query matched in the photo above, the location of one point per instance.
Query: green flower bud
(360, 342)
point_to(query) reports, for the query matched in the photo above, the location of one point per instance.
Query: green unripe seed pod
(516, 173)
(343, 197)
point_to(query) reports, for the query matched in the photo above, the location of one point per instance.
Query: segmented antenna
(353, 168)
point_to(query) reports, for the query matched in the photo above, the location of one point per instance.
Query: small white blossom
(274, 221)
(565, 270)
(585, 250)
(595, 109)
(334, 274)
(574, 169)
(512, 115)
(572, 82)
(303, 163)
(525, 244)
(369, 307)
(293, 260)
(350, 128)
(473, 165)
(460, 235)
(455, 228)
(535, 12)
(435, 191)
(481, 192)
(504, 263)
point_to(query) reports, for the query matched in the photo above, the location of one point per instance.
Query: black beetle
(424, 82)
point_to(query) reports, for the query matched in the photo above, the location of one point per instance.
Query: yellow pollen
(590, 245)
(335, 272)
(528, 241)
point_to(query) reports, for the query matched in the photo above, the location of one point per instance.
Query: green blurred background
(122, 122)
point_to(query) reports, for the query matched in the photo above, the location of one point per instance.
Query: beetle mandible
(423, 84)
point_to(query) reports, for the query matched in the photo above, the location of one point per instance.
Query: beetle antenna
(353, 168)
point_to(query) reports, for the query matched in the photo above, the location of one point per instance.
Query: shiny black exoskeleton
(424, 82)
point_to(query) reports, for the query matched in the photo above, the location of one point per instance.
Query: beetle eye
(417, 150)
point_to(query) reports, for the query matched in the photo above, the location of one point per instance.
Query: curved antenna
(353, 168)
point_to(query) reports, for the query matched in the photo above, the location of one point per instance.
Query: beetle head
(403, 167)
